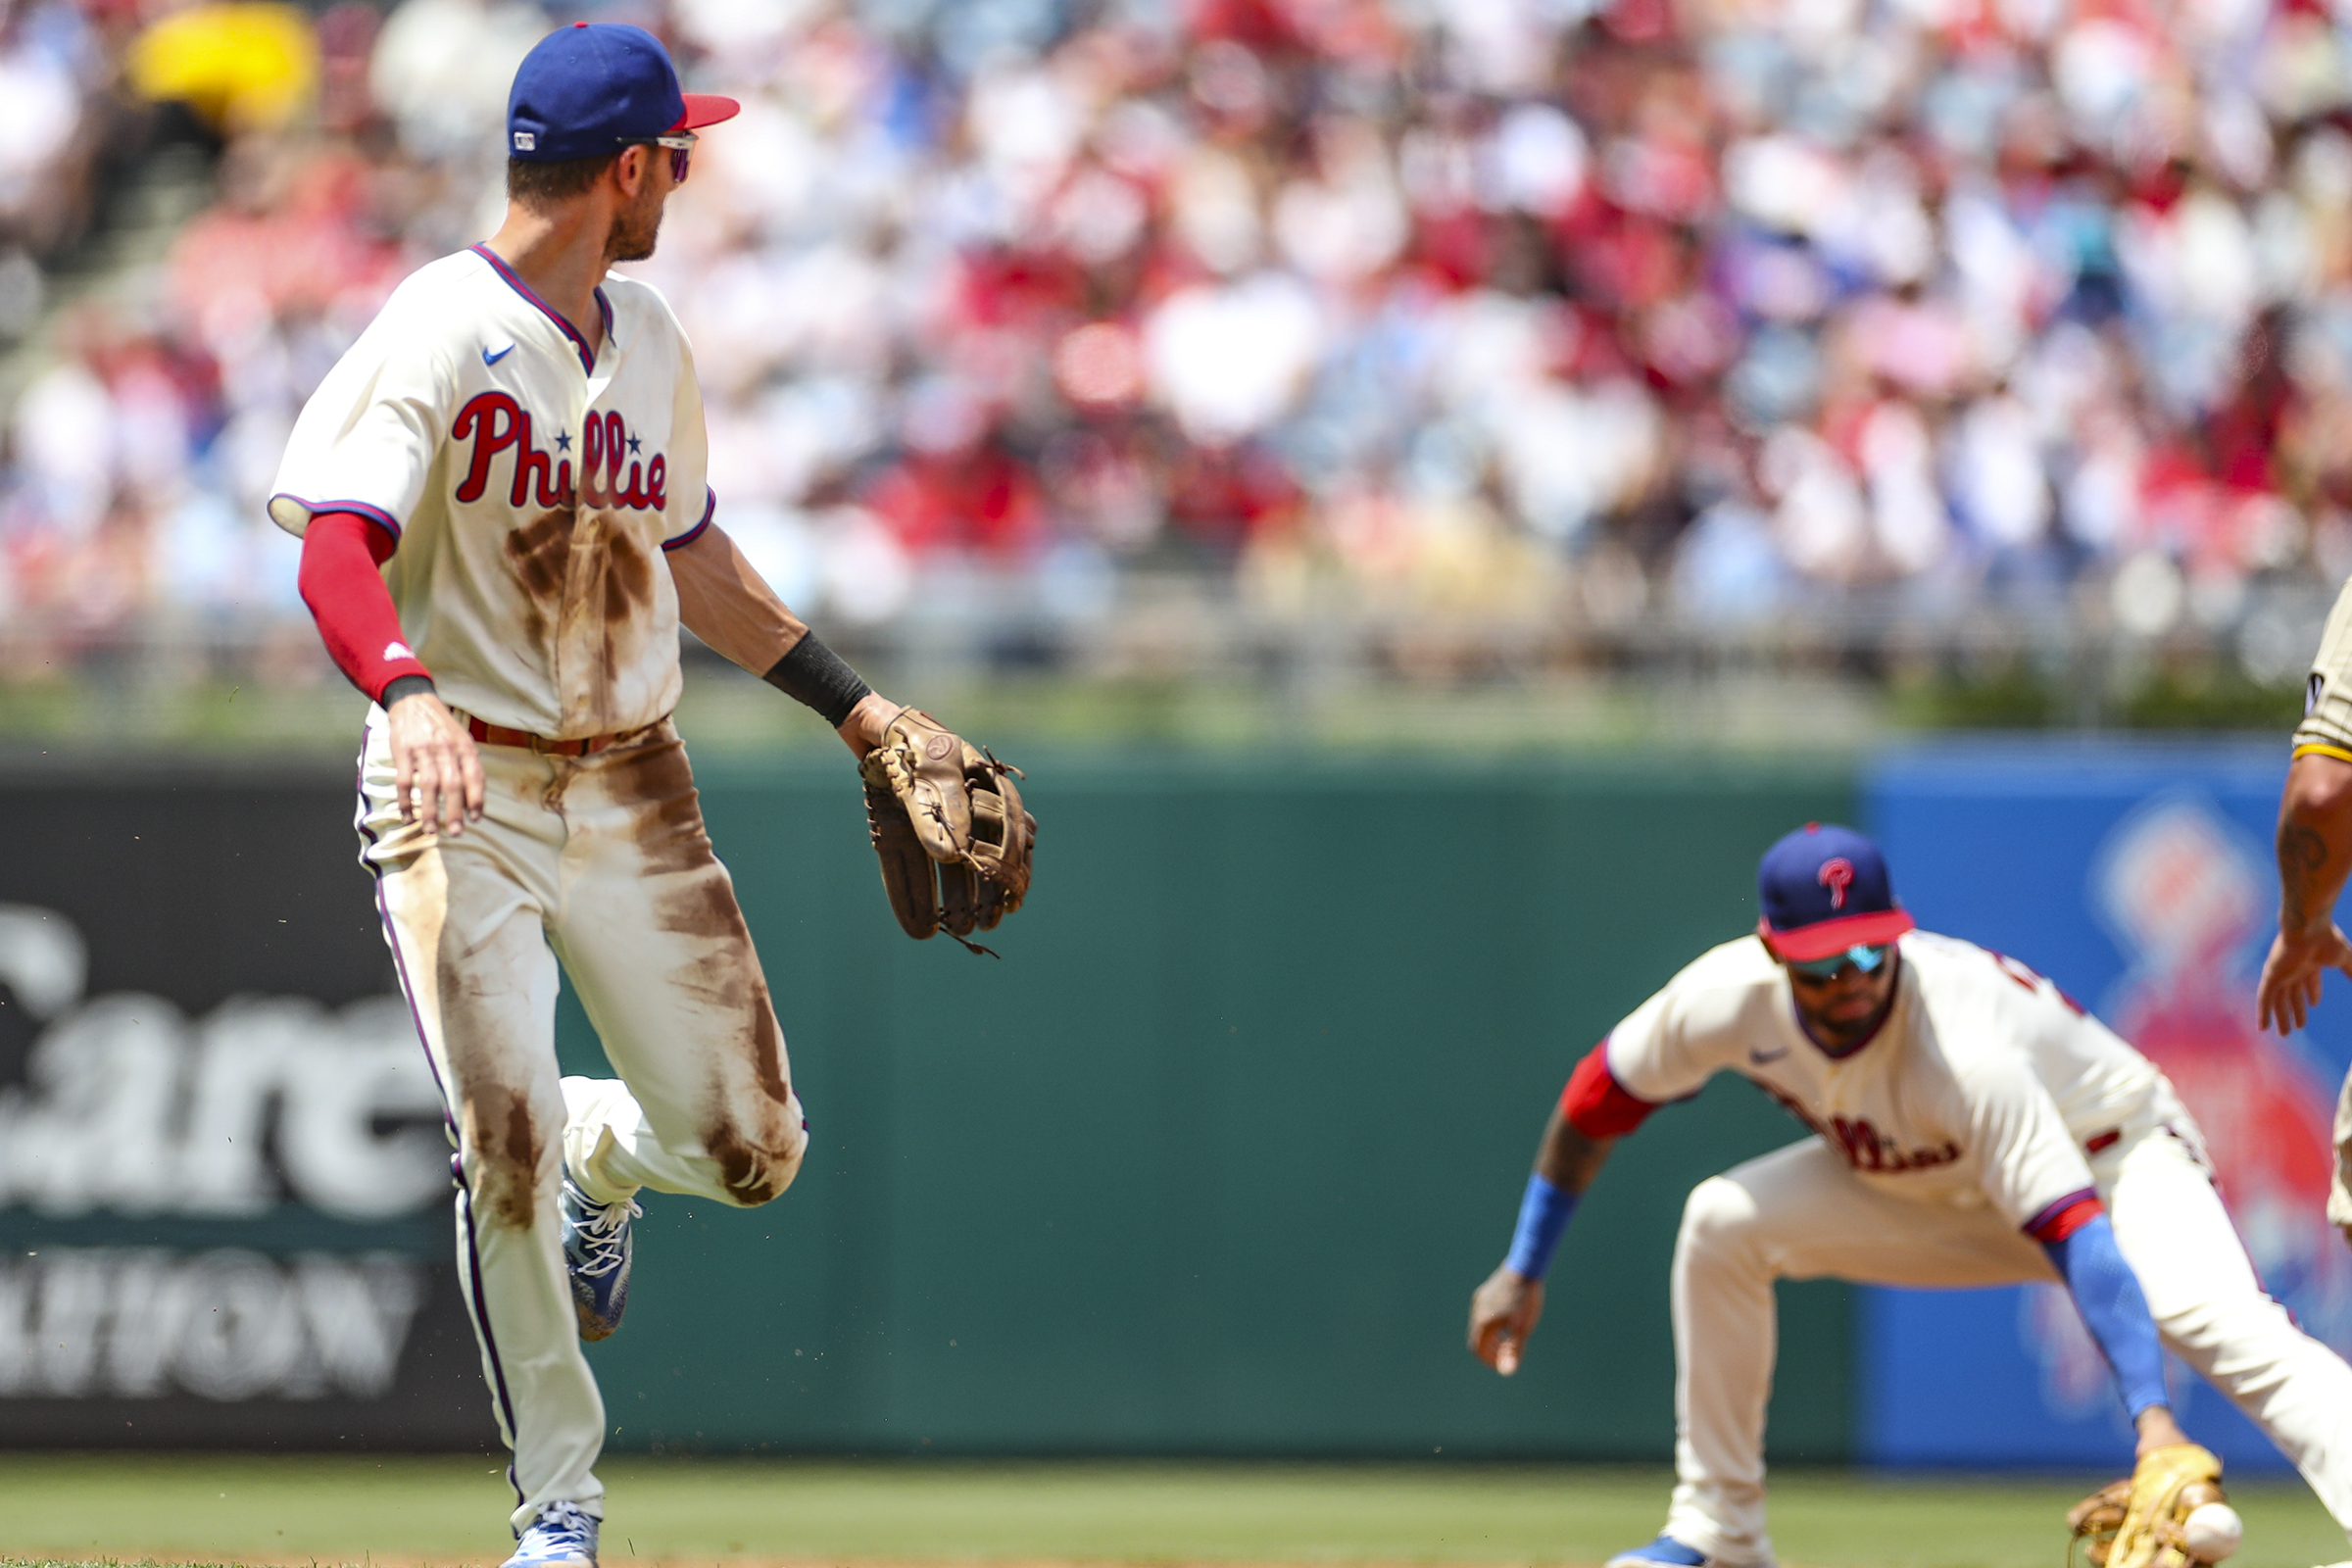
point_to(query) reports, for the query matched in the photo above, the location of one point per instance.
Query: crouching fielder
(1973, 1127)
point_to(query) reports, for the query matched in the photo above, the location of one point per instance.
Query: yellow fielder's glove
(2137, 1523)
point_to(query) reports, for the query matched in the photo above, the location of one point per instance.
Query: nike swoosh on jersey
(1765, 1058)
(489, 358)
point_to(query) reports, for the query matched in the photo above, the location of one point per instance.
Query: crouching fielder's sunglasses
(681, 150)
(1865, 957)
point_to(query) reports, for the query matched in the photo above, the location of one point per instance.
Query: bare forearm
(729, 604)
(2311, 876)
(2315, 842)
(1567, 1158)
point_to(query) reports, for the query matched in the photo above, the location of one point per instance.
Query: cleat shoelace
(561, 1530)
(599, 1235)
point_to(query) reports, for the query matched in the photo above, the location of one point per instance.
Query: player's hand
(1503, 1313)
(867, 722)
(2157, 1429)
(2290, 976)
(437, 773)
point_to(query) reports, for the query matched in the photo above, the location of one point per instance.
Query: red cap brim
(1822, 938)
(707, 108)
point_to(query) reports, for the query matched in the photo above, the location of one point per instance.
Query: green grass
(86, 1508)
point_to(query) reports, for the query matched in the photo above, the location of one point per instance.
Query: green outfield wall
(1211, 1161)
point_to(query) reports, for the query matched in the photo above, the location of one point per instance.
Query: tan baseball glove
(2136, 1523)
(951, 830)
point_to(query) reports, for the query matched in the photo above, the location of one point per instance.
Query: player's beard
(635, 228)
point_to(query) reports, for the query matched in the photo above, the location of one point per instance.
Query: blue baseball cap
(1824, 889)
(596, 87)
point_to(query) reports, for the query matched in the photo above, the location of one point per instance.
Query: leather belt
(501, 735)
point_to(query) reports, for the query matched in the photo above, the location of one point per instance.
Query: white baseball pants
(1800, 1213)
(600, 863)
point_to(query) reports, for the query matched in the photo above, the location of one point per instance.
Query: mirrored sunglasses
(681, 151)
(1865, 957)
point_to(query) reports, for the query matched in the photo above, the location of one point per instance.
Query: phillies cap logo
(1837, 874)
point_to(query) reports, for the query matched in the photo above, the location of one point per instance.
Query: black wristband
(815, 674)
(404, 686)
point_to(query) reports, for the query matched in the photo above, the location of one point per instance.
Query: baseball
(2211, 1532)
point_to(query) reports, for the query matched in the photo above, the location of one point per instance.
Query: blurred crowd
(1486, 322)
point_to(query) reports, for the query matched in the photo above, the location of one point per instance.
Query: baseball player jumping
(500, 492)
(2314, 857)
(1974, 1127)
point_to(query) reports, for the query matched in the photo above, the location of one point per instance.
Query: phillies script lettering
(495, 422)
(1864, 1147)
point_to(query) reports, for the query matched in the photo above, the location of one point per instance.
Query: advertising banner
(225, 1188)
(1175, 1175)
(2142, 880)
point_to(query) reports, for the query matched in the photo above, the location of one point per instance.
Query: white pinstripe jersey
(1984, 1085)
(531, 489)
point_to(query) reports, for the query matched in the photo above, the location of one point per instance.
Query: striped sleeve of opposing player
(366, 440)
(2327, 727)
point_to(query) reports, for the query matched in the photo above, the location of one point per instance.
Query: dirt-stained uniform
(534, 489)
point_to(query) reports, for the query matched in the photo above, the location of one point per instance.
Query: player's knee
(754, 1167)
(1719, 1216)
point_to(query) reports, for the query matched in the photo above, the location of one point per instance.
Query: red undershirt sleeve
(2064, 1217)
(339, 579)
(1595, 1103)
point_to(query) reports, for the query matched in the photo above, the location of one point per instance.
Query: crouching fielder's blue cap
(1824, 889)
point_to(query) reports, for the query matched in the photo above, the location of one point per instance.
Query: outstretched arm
(728, 604)
(2080, 1244)
(1504, 1310)
(2315, 855)
(1593, 1113)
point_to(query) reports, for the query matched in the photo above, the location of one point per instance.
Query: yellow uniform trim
(2317, 749)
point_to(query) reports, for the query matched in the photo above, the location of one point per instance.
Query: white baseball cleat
(562, 1537)
(1668, 1552)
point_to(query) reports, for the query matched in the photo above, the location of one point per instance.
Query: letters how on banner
(238, 1206)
